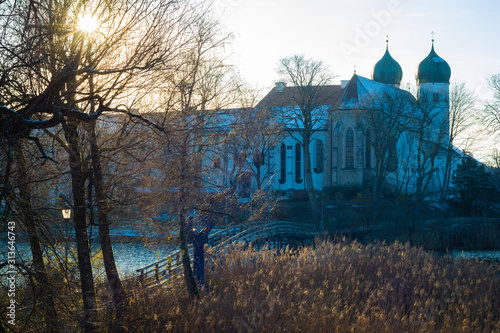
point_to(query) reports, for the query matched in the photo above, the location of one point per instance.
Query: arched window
(424, 97)
(319, 156)
(435, 97)
(368, 149)
(282, 179)
(298, 164)
(349, 148)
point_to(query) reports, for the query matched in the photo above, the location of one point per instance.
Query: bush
(344, 192)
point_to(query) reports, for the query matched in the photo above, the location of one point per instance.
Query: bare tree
(309, 78)
(392, 114)
(43, 287)
(495, 159)
(187, 120)
(29, 35)
(492, 109)
(462, 105)
(56, 73)
(431, 137)
(257, 131)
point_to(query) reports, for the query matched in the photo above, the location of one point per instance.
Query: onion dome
(387, 70)
(433, 69)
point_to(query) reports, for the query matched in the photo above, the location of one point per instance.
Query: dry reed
(342, 287)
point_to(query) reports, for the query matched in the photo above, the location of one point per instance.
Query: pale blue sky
(344, 33)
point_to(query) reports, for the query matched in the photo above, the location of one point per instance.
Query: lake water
(131, 252)
(482, 255)
(129, 256)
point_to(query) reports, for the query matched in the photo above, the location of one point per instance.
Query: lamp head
(66, 213)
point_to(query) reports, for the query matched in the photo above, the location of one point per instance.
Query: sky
(350, 35)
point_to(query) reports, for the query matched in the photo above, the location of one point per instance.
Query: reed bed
(332, 287)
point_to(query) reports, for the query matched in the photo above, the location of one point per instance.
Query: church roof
(387, 70)
(359, 94)
(433, 69)
(363, 93)
(328, 95)
(288, 111)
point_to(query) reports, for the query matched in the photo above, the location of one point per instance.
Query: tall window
(349, 149)
(282, 179)
(424, 97)
(298, 164)
(435, 97)
(319, 156)
(368, 149)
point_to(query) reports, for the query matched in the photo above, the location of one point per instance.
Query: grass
(333, 287)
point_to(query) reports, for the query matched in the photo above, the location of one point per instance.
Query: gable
(363, 93)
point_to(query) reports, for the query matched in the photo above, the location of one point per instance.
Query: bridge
(273, 234)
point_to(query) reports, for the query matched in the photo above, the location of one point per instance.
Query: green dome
(387, 70)
(433, 69)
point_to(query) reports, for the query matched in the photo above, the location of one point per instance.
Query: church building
(369, 130)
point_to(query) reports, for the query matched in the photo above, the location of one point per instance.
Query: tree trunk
(311, 193)
(257, 177)
(186, 261)
(119, 295)
(42, 285)
(181, 197)
(380, 162)
(78, 177)
(447, 173)
(199, 239)
(420, 176)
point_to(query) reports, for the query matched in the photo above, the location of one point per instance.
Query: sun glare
(88, 23)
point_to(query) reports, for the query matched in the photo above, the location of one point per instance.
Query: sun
(88, 23)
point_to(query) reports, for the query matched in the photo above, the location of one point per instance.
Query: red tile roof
(328, 96)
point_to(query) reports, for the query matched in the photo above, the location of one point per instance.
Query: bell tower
(433, 83)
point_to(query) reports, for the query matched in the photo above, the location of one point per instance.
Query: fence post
(169, 266)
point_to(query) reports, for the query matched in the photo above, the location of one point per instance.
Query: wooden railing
(255, 232)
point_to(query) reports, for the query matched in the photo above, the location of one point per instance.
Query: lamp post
(66, 213)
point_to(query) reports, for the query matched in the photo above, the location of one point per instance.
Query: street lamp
(66, 213)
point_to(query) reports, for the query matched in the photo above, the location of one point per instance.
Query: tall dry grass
(342, 287)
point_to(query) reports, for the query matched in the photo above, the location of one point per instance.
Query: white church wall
(294, 176)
